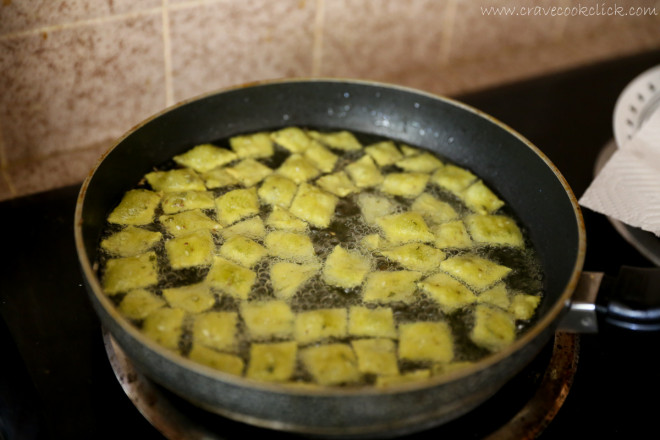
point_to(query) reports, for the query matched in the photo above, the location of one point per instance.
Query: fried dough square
(138, 303)
(316, 325)
(449, 293)
(272, 362)
(523, 306)
(194, 298)
(383, 153)
(236, 205)
(165, 326)
(420, 163)
(405, 228)
(451, 235)
(493, 328)
(314, 205)
(184, 201)
(364, 172)
(290, 246)
(249, 172)
(216, 330)
(277, 190)
(331, 364)
(376, 356)
(218, 178)
(375, 323)
(137, 207)
(433, 210)
(415, 256)
(267, 319)
(320, 157)
(128, 273)
(287, 278)
(293, 139)
(453, 178)
(255, 146)
(192, 249)
(299, 169)
(481, 199)
(494, 230)
(374, 206)
(184, 179)
(426, 341)
(498, 295)
(338, 184)
(227, 363)
(231, 278)
(345, 268)
(475, 271)
(252, 227)
(205, 157)
(407, 185)
(390, 286)
(339, 140)
(188, 221)
(243, 251)
(280, 218)
(130, 241)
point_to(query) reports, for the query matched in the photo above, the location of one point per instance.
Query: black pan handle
(631, 301)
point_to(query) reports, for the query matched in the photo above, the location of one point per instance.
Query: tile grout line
(167, 55)
(448, 22)
(317, 45)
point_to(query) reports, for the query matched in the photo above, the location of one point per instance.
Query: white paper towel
(628, 186)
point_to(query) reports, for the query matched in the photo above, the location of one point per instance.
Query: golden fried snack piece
(272, 362)
(255, 145)
(249, 172)
(364, 172)
(498, 295)
(267, 319)
(231, 278)
(320, 157)
(405, 228)
(290, 246)
(426, 341)
(243, 251)
(130, 241)
(390, 286)
(236, 205)
(280, 218)
(165, 326)
(192, 249)
(345, 268)
(298, 168)
(218, 178)
(205, 157)
(374, 206)
(415, 256)
(338, 184)
(316, 325)
(195, 298)
(448, 292)
(227, 363)
(383, 153)
(287, 278)
(420, 163)
(217, 330)
(137, 207)
(293, 139)
(138, 303)
(451, 235)
(252, 227)
(183, 179)
(433, 210)
(188, 221)
(407, 185)
(481, 199)
(493, 328)
(184, 201)
(494, 230)
(475, 271)
(375, 323)
(453, 178)
(339, 140)
(331, 364)
(376, 356)
(277, 190)
(128, 273)
(314, 205)
(523, 305)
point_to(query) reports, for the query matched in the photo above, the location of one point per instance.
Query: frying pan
(518, 171)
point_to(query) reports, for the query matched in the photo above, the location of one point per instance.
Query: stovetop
(55, 378)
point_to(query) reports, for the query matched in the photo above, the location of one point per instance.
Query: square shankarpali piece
(314, 205)
(345, 268)
(376, 356)
(249, 172)
(383, 153)
(243, 251)
(137, 207)
(338, 184)
(420, 163)
(272, 362)
(255, 145)
(415, 256)
(453, 178)
(218, 178)
(225, 362)
(290, 246)
(138, 303)
(184, 201)
(194, 298)
(374, 323)
(165, 326)
(216, 330)
(277, 190)
(426, 341)
(320, 157)
(405, 228)
(498, 295)
(183, 179)
(449, 293)
(494, 230)
(523, 305)
(475, 271)
(451, 235)
(293, 139)
(192, 249)
(316, 325)
(339, 140)
(130, 241)
(298, 168)
(331, 364)
(493, 328)
(390, 286)
(433, 210)
(287, 278)
(481, 199)
(374, 206)
(252, 227)
(128, 273)
(280, 218)
(364, 172)
(205, 157)
(267, 319)
(236, 205)
(231, 278)
(188, 221)
(407, 185)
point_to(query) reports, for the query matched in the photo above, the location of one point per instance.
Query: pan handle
(631, 301)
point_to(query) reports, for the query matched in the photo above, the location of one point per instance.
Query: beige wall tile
(384, 40)
(229, 42)
(74, 87)
(22, 15)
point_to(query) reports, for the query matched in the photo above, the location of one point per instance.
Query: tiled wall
(76, 74)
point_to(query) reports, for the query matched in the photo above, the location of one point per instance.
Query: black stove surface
(55, 378)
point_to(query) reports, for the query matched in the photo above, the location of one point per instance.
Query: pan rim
(544, 322)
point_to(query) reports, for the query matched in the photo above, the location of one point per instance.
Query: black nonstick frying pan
(507, 162)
